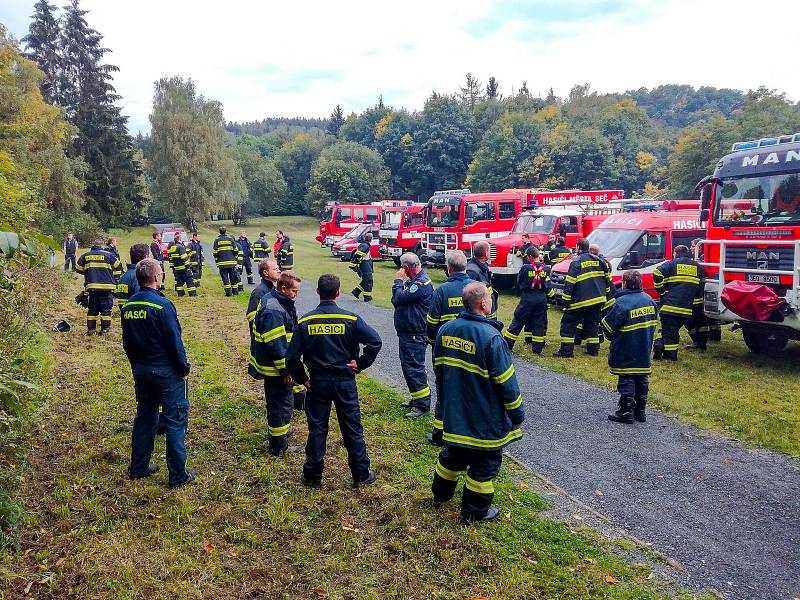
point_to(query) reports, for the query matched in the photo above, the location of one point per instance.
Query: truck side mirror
(705, 196)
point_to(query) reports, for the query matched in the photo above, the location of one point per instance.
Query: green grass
(247, 528)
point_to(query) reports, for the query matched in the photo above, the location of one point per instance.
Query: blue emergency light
(463, 192)
(642, 206)
(770, 141)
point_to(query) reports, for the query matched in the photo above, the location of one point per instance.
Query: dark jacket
(630, 325)
(285, 254)
(412, 300)
(246, 247)
(327, 339)
(225, 251)
(479, 271)
(178, 256)
(546, 250)
(127, 286)
(446, 304)
(151, 333)
(523, 250)
(195, 252)
(261, 290)
(70, 247)
(476, 384)
(533, 283)
(261, 249)
(100, 269)
(557, 254)
(155, 250)
(680, 283)
(115, 251)
(588, 282)
(361, 259)
(271, 332)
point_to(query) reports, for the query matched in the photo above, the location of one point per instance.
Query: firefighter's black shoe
(695, 346)
(491, 515)
(406, 404)
(367, 298)
(621, 416)
(371, 478)
(658, 356)
(433, 441)
(560, 354)
(151, 470)
(312, 483)
(416, 413)
(639, 416)
(591, 352)
(356, 293)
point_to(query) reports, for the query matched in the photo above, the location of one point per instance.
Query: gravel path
(729, 515)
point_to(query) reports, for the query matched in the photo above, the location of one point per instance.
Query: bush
(85, 227)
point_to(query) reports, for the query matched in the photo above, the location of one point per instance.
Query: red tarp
(752, 301)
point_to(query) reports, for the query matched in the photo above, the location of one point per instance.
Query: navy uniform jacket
(271, 332)
(523, 250)
(151, 333)
(412, 300)
(286, 254)
(195, 252)
(246, 247)
(588, 282)
(361, 260)
(534, 283)
(70, 247)
(261, 249)
(239, 254)
(261, 290)
(479, 271)
(546, 250)
(225, 251)
(328, 338)
(630, 325)
(100, 269)
(557, 254)
(127, 286)
(680, 283)
(178, 256)
(446, 304)
(480, 401)
(115, 251)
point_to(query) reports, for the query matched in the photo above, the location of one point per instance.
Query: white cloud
(301, 58)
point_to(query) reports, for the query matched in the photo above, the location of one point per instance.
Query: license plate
(756, 278)
(395, 251)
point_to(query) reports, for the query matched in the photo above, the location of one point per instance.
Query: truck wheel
(396, 260)
(760, 341)
(419, 251)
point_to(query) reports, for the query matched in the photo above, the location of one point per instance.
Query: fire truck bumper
(715, 309)
(434, 257)
(504, 270)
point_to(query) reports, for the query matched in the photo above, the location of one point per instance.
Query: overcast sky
(301, 58)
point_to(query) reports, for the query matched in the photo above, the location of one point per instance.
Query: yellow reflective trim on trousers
(446, 473)
(298, 387)
(101, 286)
(507, 334)
(592, 340)
(327, 316)
(466, 440)
(479, 487)
(142, 303)
(630, 370)
(438, 424)
(226, 263)
(676, 310)
(277, 431)
(426, 391)
(643, 325)
(585, 303)
(460, 364)
(431, 320)
(505, 375)
(671, 346)
(537, 338)
(515, 404)
(263, 370)
(567, 340)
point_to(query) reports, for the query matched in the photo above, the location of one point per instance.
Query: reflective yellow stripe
(101, 286)
(273, 334)
(537, 338)
(252, 315)
(280, 363)
(297, 388)
(437, 424)
(446, 473)
(143, 303)
(507, 334)
(278, 431)
(426, 391)
(567, 340)
(460, 364)
(479, 487)
(643, 325)
(671, 346)
(585, 303)
(327, 316)
(630, 371)
(478, 443)
(263, 370)
(515, 404)
(677, 310)
(505, 375)
(431, 320)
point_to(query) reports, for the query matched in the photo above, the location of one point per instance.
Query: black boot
(356, 293)
(670, 355)
(592, 349)
(566, 351)
(624, 413)
(638, 410)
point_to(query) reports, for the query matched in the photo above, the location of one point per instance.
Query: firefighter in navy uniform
(478, 270)
(239, 266)
(411, 298)
(128, 285)
(679, 284)
(226, 256)
(446, 304)
(481, 405)
(534, 287)
(272, 330)
(586, 290)
(522, 251)
(181, 269)
(195, 250)
(101, 271)
(559, 253)
(361, 263)
(328, 339)
(548, 247)
(247, 256)
(261, 247)
(285, 253)
(630, 325)
(594, 250)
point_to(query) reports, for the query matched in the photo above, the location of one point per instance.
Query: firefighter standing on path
(247, 256)
(534, 286)
(481, 405)
(631, 325)
(411, 298)
(446, 304)
(70, 251)
(182, 271)
(328, 340)
(226, 256)
(478, 270)
(100, 270)
(261, 248)
(679, 283)
(588, 284)
(361, 263)
(284, 252)
(195, 250)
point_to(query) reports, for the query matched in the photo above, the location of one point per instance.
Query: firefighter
(100, 270)
(560, 252)
(631, 325)
(270, 273)
(70, 251)
(587, 287)
(446, 304)
(226, 256)
(285, 252)
(261, 248)
(481, 405)
(239, 266)
(533, 283)
(328, 340)
(522, 251)
(155, 250)
(128, 285)
(247, 256)
(594, 250)
(151, 338)
(273, 325)
(182, 271)
(711, 326)
(195, 250)
(679, 284)
(411, 298)
(548, 247)
(478, 270)
(111, 246)
(361, 263)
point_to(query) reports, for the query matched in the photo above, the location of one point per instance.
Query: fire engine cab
(752, 251)
(337, 219)
(402, 232)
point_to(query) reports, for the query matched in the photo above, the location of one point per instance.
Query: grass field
(246, 528)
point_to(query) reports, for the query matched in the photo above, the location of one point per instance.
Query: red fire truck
(345, 246)
(752, 208)
(638, 240)
(337, 219)
(402, 232)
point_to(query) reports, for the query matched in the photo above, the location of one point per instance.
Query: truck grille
(780, 258)
(436, 238)
(492, 253)
(385, 240)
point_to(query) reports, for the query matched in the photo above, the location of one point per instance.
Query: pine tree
(471, 92)
(336, 121)
(491, 88)
(43, 47)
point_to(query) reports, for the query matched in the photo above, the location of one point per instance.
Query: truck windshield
(770, 200)
(356, 231)
(444, 212)
(534, 224)
(391, 219)
(614, 243)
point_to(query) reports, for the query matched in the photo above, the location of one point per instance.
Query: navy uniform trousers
(481, 467)
(532, 316)
(101, 302)
(280, 403)
(184, 282)
(412, 363)
(365, 285)
(669, 337)
(589, 318)
(230, 280)
(633, 391)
